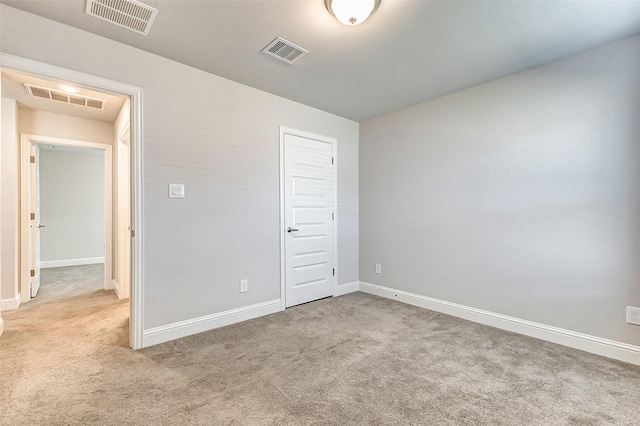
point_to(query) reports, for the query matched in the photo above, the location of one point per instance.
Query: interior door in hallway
(309, 214)
(34, 223)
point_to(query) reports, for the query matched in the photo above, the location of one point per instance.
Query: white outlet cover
(633, 315)
(176, 190)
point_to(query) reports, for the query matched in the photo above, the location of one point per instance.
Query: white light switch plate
(176, 190)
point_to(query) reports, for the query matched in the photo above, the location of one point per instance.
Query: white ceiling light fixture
(351, 12)
(69, 89)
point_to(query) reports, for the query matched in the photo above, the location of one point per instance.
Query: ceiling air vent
(129, 14)
(67, 98)
(284, 50)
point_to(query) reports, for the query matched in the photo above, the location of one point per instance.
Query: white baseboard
(114, 286)
(342, 289)
(71, 262)
(10, 304)
(164, 333)
(572, 339)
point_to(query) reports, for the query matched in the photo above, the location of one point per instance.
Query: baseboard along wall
(596, 345)
(165, 333)
(342, 289)
(592, 344)
(116, 287)
(71, 262)
(10, 303)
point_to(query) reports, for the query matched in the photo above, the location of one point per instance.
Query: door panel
(34, 225)
(309, 206)
(123, 220)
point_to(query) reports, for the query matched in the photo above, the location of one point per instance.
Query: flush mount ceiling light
(351, 12)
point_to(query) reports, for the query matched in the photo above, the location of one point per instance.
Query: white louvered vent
(284, 50)
(67, 98)
(129, 14)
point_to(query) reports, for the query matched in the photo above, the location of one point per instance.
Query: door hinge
(33, 272)
(133, 233)
(333, 217)
(32, 159)
(334, 272)
(32, 216)
(332, 160)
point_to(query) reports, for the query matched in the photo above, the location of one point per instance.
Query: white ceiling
(406, 53)
(13, 88)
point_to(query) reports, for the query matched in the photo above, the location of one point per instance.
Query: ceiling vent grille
(129, 14)
(67, 98)
(284, 50)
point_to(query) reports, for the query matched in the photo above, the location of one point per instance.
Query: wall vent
(284, 50)
(129, 14)
(67, 98)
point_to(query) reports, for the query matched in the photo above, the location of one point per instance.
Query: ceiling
(13, 88)
(406, 53)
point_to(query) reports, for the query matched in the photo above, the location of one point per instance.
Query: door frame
(52, 72)
(283, 264)
(26, 141)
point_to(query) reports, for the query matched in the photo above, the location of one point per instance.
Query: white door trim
(334, 144)
(26, 140)
(44, 70)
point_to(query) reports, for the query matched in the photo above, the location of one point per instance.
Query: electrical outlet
(244, 286)
(633, 315)
(378, 268)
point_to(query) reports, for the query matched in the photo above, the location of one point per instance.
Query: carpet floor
(67, 281)
(352, 360)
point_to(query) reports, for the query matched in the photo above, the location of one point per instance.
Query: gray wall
(220, 139)
(519, 196)
(71, 204)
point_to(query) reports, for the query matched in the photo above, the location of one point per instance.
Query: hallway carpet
(67, 281)
(353, 360)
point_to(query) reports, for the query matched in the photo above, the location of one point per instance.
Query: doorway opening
(113, 219)
(67, 185)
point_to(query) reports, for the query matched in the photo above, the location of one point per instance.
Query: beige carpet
(352, 360)
(67, 281)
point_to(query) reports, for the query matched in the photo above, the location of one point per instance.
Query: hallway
(67, 281)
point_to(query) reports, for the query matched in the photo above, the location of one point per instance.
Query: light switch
(176, 190)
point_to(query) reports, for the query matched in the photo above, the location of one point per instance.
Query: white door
(34, 223)
(309, 208)
(123, 229)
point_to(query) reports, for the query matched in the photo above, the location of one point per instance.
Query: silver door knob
(290, 229)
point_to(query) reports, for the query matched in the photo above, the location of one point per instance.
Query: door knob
(290, 229)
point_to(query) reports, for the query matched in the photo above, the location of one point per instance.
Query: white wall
(71, 206)
(220, 139)
(64, 126)
(9, 205)
(519, 196)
